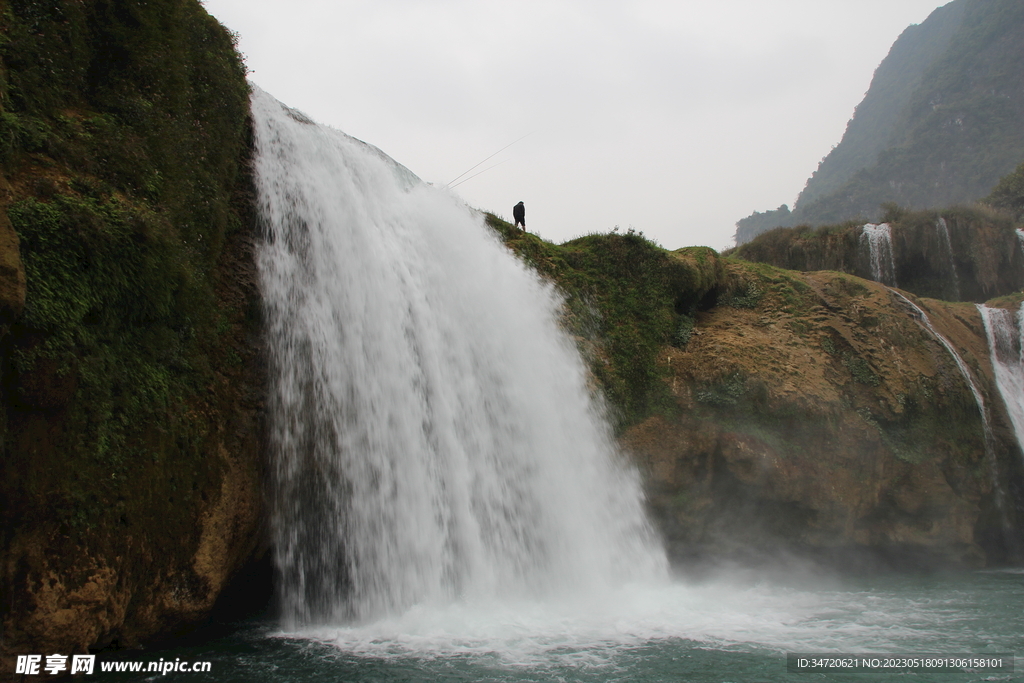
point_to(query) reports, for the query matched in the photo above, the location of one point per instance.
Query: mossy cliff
(625, 298)
(957, 254)
(806, 413)
(131, 398)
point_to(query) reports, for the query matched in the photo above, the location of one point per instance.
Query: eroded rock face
(12, 270)
(821, 418)
(957, 254)
(70, 586)
(132, 392)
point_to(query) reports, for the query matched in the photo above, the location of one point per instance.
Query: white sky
(676, 118)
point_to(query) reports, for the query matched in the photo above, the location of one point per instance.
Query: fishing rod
(476, 174)
(449, 183)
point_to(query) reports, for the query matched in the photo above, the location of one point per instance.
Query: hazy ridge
(940, 124)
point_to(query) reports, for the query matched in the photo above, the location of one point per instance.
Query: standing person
(519, 214)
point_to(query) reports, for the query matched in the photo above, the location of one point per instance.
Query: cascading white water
(433, 435)
(979, 399)
(879, 241)
(1005, 332)
(943, 229)
(960, 364)
(1020, 238)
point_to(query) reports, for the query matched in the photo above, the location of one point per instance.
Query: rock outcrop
(787, 413)
(957, 254)
(131, 396)
(823, 419)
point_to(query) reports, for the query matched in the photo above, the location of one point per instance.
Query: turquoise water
(736, 628)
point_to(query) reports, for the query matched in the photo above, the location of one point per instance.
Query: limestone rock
(824, 420)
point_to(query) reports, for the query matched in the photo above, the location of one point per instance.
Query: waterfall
(964, 370)
(943, 229)
(433, 436)
(989, 436)
(879, 241)
(1020, 238)
(1005, 331)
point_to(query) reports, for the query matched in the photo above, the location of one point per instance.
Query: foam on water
(724, 615)
(730, 629)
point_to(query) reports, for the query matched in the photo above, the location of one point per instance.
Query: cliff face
(825, 420)
(131, 395)
(878, 117)
(958, 254)
(801, 413)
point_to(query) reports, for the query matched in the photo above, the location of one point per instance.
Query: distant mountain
(942, 121)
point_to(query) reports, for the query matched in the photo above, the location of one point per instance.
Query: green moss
(123, 131)
(726, 392)
(684, 331)
(861, 370)
(746, 294)
(148, 97)
(113, 293)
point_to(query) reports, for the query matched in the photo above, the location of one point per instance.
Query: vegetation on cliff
(823, 419)
(1008, 194)
(128, 385)
(957, 254)
(626, 298)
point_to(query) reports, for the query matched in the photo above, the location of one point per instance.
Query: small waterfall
(964, 370)
(943, 229)
(1020, 238)
(989, 437)
(434, 438)
(1005, 331)
(879, 241)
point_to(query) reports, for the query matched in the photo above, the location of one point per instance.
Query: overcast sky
(676, 118)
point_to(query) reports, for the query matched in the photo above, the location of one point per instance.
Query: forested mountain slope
(940, 124)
